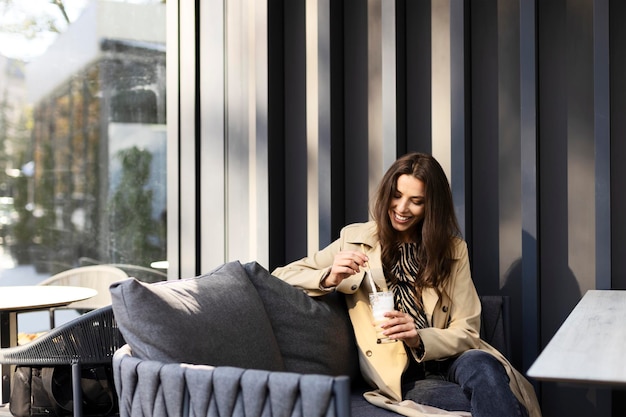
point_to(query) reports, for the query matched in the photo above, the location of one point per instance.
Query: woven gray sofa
(238, 341)
(154, 388)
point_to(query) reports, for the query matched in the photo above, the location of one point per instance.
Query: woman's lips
(401, 219)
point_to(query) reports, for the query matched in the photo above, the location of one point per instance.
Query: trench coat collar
(363, 233)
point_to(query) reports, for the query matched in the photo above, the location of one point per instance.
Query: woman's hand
(345, 264)
(401, 326)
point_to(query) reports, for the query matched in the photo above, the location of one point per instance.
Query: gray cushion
(215, 319)
(314, 334)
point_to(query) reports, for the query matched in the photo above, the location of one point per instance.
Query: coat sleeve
(308, 273)
(456, 317)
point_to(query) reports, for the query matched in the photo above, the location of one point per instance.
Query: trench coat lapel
(430, 299)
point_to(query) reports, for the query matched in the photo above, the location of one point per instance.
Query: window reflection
(83, 144)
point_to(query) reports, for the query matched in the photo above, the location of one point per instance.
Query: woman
(413, 248)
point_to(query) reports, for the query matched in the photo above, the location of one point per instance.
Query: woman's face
(406, 208)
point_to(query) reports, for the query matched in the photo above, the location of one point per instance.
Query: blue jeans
(475, 382)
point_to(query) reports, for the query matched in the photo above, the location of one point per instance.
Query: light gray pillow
(214, 319)
(314, 334)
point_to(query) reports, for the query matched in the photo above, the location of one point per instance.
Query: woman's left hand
(401, 326)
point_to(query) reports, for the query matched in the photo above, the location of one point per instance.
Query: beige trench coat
(382, 365)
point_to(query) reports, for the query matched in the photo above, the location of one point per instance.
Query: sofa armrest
(145, 387)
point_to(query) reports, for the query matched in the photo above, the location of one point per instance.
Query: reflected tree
(130, 211)
(23, 230)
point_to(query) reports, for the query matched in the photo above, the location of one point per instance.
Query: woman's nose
(403, 205)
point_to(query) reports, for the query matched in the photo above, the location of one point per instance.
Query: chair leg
(52, 324)
(77, 392)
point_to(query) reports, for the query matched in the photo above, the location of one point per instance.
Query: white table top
(589, 346)
(34, 297)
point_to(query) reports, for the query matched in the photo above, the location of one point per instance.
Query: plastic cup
(381, 302)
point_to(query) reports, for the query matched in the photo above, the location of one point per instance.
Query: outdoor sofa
(239, 341)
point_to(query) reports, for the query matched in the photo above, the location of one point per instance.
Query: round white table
(40, 297)
(15, 299)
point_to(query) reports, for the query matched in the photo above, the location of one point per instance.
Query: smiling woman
(415, 241)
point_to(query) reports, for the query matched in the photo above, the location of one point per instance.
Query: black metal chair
(90, 339)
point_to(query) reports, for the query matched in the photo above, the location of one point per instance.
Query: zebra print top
(407, 296)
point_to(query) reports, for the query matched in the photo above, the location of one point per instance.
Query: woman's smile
(401, 219)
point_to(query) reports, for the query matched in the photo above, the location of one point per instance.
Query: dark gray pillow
(214, 319)
(314, 333)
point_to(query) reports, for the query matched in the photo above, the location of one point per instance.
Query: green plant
(22, 231)
(130, 211)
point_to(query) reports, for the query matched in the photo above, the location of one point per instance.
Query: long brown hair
(434, 234)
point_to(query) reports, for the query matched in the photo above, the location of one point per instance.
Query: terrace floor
(4, 411)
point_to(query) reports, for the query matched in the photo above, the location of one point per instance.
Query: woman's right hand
(345, 264)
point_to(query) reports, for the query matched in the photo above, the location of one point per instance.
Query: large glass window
(82, 136)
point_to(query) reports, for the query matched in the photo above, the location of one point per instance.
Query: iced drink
(381, 303)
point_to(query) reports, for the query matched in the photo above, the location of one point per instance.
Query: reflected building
(98, 96)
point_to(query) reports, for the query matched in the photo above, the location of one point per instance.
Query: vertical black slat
(276, 133)
(602, 134)
(401, 76)
(485, 245)
(295, 151)
(617, 96)
(356, 111)
(338, 152)
(528, 125)
(418, 57)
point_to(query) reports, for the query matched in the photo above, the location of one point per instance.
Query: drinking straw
(368, 273)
